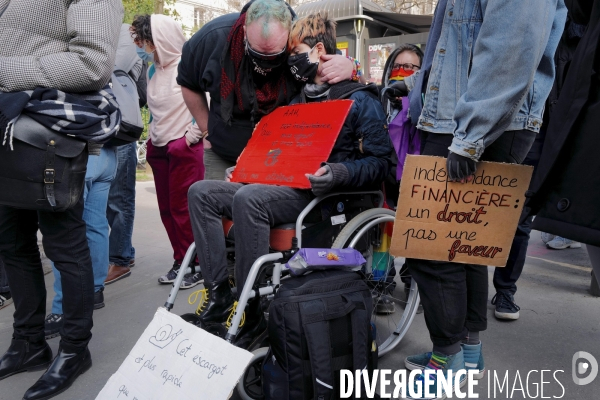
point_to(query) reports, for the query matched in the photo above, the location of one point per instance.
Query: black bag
(45, 171)
(318, 324)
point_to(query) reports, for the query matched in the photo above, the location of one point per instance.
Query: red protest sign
(290, 142)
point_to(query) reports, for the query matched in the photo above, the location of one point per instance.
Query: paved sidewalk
(558, 318)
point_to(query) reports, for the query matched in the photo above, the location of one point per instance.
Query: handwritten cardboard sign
(176, 360)
(290, 142)
(472, 223)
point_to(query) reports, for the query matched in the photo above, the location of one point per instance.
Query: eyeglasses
(407, 66)
(266, 57)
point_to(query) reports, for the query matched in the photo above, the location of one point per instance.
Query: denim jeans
(454, 296)
(100, 173)
(254, 209)
(121, 207)
(63, 237)
(3, 279)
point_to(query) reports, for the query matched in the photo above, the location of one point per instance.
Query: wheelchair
(337, 220)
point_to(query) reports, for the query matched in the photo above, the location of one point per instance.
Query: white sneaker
(546, 237)
(560, 243)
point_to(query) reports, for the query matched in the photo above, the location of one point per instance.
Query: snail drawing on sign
(164, 336)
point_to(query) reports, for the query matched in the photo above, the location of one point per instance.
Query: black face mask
(302, 69)
(265, 63)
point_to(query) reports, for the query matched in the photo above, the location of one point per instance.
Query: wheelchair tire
(249, 386)
(392, 325)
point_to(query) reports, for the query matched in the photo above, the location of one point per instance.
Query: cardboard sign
(471, 223)
(290, 142)
(175, 360)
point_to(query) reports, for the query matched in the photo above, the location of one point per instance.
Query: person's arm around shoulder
(93, 28)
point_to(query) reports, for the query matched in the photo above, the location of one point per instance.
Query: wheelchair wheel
(249, 386)
(394, 307)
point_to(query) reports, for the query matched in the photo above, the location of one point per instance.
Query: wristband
(357, 72)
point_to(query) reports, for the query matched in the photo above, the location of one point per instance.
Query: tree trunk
(159, 6)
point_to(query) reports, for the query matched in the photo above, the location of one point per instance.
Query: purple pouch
(322, 259)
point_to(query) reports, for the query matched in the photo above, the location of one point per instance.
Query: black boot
(254, 324)
(61, 374)
(219, 304)
(24, 356)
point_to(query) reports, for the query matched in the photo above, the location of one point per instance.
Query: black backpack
(318, 324)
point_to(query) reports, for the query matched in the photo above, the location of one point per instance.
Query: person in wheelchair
(360, 160)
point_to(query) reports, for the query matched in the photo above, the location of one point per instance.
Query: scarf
(93, 116)
(237, 82)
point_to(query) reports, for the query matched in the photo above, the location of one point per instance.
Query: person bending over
(360, 159)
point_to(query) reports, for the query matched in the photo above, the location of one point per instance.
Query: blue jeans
(121, 207)
(101, 171)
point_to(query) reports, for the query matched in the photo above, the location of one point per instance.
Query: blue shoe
(418, 361)
(472, 354)
(473, 357)
(439, 362)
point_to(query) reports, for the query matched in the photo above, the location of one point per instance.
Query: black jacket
(363, 145)
(565, 191)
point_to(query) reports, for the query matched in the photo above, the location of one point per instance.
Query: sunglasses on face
(407, 67)
(262, 56)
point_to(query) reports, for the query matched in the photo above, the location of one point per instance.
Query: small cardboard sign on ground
(290, 142)
(471, 223)
(174, 359)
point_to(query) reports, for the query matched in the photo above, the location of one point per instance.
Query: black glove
(393, 92)
(336, 175)
(459, 167)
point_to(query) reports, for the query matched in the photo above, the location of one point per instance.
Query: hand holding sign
(471, 222)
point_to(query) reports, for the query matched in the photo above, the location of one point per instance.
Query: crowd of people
(471, 96)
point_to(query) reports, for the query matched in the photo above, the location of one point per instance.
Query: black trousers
(505, 279)
(64, 243)
(454, 296)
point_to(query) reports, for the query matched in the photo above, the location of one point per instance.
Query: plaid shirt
(67, 45)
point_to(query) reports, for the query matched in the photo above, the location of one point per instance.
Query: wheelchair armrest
(317, 200)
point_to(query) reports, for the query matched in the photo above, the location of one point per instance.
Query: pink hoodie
(170, 117)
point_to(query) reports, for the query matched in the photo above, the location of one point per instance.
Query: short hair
(412, 48)
(269, 10)
(141, 29)
(312, 29)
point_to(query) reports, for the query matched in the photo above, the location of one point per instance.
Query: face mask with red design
(400, 73)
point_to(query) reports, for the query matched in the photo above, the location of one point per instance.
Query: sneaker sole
(118, 278)
(507, 316)
(6, 303)
(29, 369)
(84, 369)
(98, 306)
(566, 246)
(190, 286)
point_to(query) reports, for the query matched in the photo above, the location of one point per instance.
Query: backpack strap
(360, 333)
(316, 315)
(316, 329)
